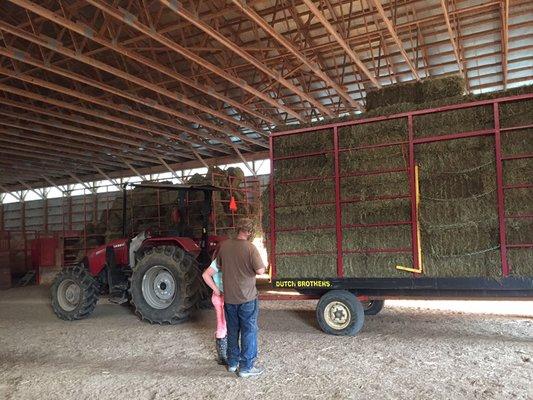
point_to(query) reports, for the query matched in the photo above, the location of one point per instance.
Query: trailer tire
(164, 285)
(339, 312)
(74, 293)
(373, 307)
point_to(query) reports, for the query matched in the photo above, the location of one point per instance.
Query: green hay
(519, 231)
(373, 133)
(305, 216)
(516, 113)
(386, 237)
(441, 88)
(366, 186)
(517, 142)
(372, 159)
(459, 213)
(456, 241)
(520, 262)
(372, 212)
(305, 193)
(485, 265)
(393, 94)
(453, 156)
(519, 201)
(308, 167)
(376, 265)
(518, 171)
(317, 266)
(416, 92)
(309, 142)
(455, 121)
(307, 241)
(458, 209)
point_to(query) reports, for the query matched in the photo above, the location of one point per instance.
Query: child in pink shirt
(213, 278)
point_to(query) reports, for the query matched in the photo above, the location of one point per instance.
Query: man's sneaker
(254, 371)
(232, 368)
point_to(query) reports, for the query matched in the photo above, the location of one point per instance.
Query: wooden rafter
(219, 37)
(341, 41)
(392, 31)
(444, 6)
(254, 16)
(165, 41)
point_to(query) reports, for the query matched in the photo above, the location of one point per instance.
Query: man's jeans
(241, 320)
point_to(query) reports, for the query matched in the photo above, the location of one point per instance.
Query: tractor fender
(187, 244)
(97, 258)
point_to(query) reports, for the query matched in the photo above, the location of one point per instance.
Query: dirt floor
(408, 351)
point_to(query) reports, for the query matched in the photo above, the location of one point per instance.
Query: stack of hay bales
(458, 212)
(150, 208)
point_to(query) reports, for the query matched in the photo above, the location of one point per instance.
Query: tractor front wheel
(74, 293)
(164, 285)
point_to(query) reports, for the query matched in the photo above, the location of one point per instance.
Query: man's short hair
(245, 225)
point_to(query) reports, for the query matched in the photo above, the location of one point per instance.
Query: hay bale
(315, 141)
(376, 265)
(520, 262)
(454, 121)
(372, 212)
(393, 94)
(373, 159)
(416, 92)
(441, 88)
(382, 237)
(305, 216)
(305, 193)
(367, 186)
(394, 130)
(316, 266)
(307, 167)
(517, 142)
(458, 209)
(484, 265)
(306, 241)
(519, 201)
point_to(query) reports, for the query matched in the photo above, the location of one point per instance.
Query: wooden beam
(395, 37)
(84, 184)
(333, 32)
(133, 169)
(113, 131)
(222, 39)
(41, 195)
(83, 110)
(52, 183)
(505, 39)
(99, 146)
(12, 193)
(170, 169)
(109, 89)
(115, 183)
(90, 34)
(165, 41)
(444, 6)
(57, 47)
(313, 66)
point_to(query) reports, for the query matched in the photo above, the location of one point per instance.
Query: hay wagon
(424, 203)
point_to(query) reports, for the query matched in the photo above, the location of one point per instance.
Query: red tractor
(159, 276)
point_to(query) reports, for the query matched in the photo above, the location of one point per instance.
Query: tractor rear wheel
(74, 293)
(164, 285)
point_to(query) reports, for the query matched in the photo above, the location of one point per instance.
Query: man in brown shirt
(240, 262)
